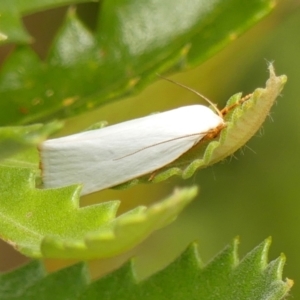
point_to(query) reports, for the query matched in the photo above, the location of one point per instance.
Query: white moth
(109, 156)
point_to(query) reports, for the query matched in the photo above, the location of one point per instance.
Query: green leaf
(32, 282)
(186, 278)
(50, 223)
(133, 41)
(17, 139)
(12, 28)
(14, 284)
(225, 277)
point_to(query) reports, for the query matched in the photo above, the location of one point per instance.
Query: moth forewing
(103, 158)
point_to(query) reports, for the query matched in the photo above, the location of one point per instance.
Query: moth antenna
(227, 109)
(195, 92)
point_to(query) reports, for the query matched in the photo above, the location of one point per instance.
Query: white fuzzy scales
(106, 157)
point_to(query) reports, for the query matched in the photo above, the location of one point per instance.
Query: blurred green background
(253, 194)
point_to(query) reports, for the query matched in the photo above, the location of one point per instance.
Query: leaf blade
(50, 223)
(115, 64)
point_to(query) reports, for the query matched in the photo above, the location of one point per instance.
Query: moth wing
(103, 158)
